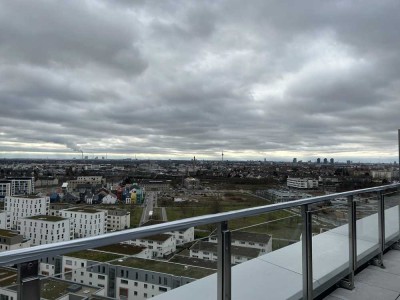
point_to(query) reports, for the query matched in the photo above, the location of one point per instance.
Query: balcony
(367, 228)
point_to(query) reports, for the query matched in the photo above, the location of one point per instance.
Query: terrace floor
(374, 282)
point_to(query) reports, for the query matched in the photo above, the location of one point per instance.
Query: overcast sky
(174, 79)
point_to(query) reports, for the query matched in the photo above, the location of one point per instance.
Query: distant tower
(294, 160)
(325, 160)
(222, 155)
(318, 160)
(332, 161)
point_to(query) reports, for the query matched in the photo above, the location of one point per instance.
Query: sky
(176, 79)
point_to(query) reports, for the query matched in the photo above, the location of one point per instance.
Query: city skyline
(177, 79)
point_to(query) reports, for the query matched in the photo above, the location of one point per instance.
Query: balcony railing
(22, 256)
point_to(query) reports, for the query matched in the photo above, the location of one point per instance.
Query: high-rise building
(325, 160)
(332, 161)
(294, 160)
(318, 160)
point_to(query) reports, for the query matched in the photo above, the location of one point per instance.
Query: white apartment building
(92, 180)
(118, 219)
(133, 278)
(22, 185)
(209, 251)
(5, 219)
(25, 206)
(10, 240)
(5, 188)
(259, 241)
(302, 183)
(44, 229)
(181, 236)
(160, 245)
(86, 221)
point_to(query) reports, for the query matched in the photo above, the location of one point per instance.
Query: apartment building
(86, 221)
(5, 188)
(128, 278)
(160, 245)
(302, 183)
(22, 185)
(209, 251)
(10, 240)
(259, 241)
(181, 236)
(25, 206)
(5, 219)
(44, 229)
(118, 219)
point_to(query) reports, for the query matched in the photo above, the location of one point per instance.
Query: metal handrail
(34, 253)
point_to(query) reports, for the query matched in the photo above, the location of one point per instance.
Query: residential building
(302, 183)
(191, 183)
(128, 278)
(160, 245)
(5, 188)
(11, 240)
(86, 221)
(209, 251)
(22, 185)
(43, 229)
(25, 206)
(118, 219)
(181, 236)
(262, 242)
(5, 219)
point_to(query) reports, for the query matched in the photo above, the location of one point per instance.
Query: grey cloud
(168, 77)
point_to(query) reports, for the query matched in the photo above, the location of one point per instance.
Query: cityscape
(50, 201)
(184, 149)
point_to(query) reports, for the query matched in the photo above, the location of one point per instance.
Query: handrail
(48, 250)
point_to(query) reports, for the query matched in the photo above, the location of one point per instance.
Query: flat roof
(125, 249)
(47, 218)
(186, 260)
(7, 277)
(166, 267)
(157, 237)
(28, 196)
(7, 233)
(250, 236)
(94, 255)
(84, 210)
(235, 250)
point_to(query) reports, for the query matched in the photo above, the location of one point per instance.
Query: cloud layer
(181, 78)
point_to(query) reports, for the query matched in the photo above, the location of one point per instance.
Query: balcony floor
(374, 282)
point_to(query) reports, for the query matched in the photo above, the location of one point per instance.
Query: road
(149, 204)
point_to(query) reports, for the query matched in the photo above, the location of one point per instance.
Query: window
(123, 292)
(123, 281)
(162, 289)
(145, 285)
(101, 277)
(135, 283)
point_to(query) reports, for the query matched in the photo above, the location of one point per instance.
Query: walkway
(375, 283)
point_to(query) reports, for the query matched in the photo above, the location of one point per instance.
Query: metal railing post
(224, 262)
(28, 281)
(307, 253)
(348, 283)
(378, 261)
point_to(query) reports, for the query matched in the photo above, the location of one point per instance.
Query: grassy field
(283, 224)
(136, 213)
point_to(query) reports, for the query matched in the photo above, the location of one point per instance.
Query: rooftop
(84, 210)
(94, 255)
(250, 237)
(166, 267)
(47, 218)
(235, 250)
(124, 249)
(157, 237)
(7, 277)
(7, 233)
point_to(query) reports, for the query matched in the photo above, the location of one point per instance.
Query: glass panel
(367, 226)
(330, 241)
(392, 215)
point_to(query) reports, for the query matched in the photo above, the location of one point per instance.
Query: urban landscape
(50, 201)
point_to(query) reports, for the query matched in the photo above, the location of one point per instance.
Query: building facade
(25, 206)
(86, 221)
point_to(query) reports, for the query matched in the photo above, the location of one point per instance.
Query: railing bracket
(346, 284)
(396, 246)
(377, 262)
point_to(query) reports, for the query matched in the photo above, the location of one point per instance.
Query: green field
(283, 224)
(136, 213)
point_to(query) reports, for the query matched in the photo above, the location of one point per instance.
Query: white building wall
(42, 232)
(5, 220)
(20, 207)
(86, 224)
(157, 248)
(115, 223)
